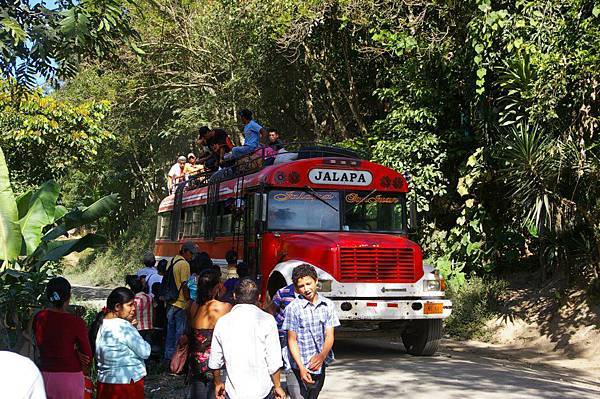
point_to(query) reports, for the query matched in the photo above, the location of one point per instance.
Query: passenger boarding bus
(344, 215)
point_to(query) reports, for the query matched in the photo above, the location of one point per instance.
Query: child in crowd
(309, 321)
(282, 298)
(242, 271)
(192, 282)
(143, 309)
(63, 344)
(120, 350)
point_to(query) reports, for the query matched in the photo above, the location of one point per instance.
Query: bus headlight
(324, 285)
(432, 285)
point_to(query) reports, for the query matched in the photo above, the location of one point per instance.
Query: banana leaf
(41, 210)
(10, 231)
(77, 218)
(58, 249)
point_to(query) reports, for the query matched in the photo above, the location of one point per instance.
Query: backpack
(168, 289)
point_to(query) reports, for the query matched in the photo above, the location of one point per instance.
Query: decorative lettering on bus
(301, 196)
(340, 177)
(354, 198)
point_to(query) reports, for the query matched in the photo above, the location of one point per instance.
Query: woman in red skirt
(119, 348)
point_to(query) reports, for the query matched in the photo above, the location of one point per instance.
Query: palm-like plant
(33, 231)
(532, 174)
(33, 225)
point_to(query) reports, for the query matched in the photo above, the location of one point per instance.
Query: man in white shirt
(247, 341)
(177, 173)
(20, 378)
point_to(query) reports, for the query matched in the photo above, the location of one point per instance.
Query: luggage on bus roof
(319, 151)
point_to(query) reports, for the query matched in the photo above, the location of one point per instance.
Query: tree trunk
(311, 111)
(353, 100)
(339, 119)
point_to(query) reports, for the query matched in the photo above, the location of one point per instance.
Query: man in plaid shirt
(310, 321)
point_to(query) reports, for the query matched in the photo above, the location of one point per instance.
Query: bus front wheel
(422, 337)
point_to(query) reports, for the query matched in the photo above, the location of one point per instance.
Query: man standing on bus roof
(176, 317)
(252, 134)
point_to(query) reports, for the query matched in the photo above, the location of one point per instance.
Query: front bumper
(389, 309)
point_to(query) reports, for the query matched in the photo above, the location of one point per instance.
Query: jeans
(312, 391)
(291, 385)
(237, 152)
(176, 323)
(202, 390)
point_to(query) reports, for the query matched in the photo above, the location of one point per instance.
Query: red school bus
(344, 215)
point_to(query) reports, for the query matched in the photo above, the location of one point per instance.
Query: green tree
(37, 41)
(33, 227)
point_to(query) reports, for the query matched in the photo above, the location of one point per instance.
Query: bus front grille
(377, 265)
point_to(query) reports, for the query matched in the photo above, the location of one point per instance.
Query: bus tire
(422, 337)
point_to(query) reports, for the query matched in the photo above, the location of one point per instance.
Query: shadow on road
(375, 368)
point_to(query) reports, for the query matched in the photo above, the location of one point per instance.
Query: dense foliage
(491, 106)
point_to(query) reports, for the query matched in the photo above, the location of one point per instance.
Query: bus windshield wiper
(362, 200)
(316, 195)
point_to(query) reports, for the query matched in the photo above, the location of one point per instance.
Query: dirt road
(379, 368)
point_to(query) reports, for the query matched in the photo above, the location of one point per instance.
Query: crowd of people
(219, 151)
(213, 328)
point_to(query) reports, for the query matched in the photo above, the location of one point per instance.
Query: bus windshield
(372, 211)
(336, 211)
(303, 210)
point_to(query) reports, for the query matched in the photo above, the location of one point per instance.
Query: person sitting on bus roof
(176, 173)
(252, 134)
(191, 167)
(218, 143)
(274, 141)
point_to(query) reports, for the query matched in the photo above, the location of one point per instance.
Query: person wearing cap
(176, 317)
(191, 167)
(177, 173)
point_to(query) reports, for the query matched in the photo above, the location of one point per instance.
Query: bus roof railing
(255, 161)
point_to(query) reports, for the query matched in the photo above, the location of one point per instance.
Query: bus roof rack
(255, 161)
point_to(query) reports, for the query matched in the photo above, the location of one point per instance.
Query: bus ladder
(239, 198)
(212, 205)
(177, 206)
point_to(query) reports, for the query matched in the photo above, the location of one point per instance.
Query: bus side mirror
(260, 207)
(412, 208)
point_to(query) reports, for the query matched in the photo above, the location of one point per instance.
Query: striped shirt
(309, 321)
(282, 298)
(143, 311)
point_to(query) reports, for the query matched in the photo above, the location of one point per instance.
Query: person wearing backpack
(171, 287)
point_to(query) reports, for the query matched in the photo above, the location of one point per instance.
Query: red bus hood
(355, 257)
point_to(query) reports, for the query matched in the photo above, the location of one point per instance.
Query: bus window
(198, 221)
(374, 212)
(187, 222)
(163, 226)
(301, 210)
